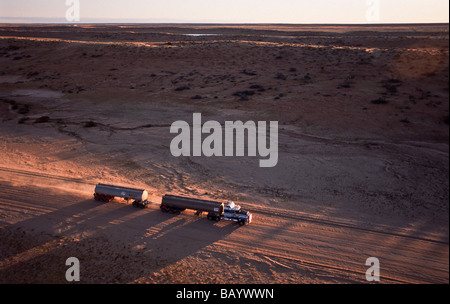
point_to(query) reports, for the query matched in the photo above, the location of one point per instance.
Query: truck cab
(233, 212)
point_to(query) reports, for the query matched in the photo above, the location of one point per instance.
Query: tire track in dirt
(32, 174)
(340, 254)
(290, 240)
(295, 216)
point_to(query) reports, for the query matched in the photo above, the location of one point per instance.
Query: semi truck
(216, 211)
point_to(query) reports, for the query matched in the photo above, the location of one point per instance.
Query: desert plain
(363, 152)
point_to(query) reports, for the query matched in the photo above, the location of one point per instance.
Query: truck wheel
(241, 223)
(135, 204)
(217, 218)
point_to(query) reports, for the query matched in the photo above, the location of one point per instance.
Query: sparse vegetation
(244, 94)
(391, 85)
(13, 48)
(390, 88)
(90, 124)
(380, 101)
(345, 85)
(281, 76)
(257, 87)
(279, 96)
(363, 133)
(23, 120)
(42, 119)
(8, 101)
(406, 120)
(182, 88)
(249, 73)
(23, 109)
(20, 108)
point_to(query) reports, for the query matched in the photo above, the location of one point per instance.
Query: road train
(216, 211)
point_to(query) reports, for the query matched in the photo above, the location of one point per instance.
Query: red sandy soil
(363, 166)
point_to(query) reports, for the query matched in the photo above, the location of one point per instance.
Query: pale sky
(230, 11)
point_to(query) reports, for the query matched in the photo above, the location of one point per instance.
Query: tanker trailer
(105, 193)
(216, 211)
(177, 204)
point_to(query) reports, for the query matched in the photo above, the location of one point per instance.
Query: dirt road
(43, 225)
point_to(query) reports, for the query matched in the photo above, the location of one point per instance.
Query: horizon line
(2, 21)
(59, 20)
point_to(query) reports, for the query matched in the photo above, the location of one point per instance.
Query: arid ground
(363, 167)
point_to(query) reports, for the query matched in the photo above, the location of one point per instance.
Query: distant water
(199, 35)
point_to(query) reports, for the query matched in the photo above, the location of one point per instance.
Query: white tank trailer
(105, 193)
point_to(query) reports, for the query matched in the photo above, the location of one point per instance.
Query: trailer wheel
(135, 204)
(164, 209)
